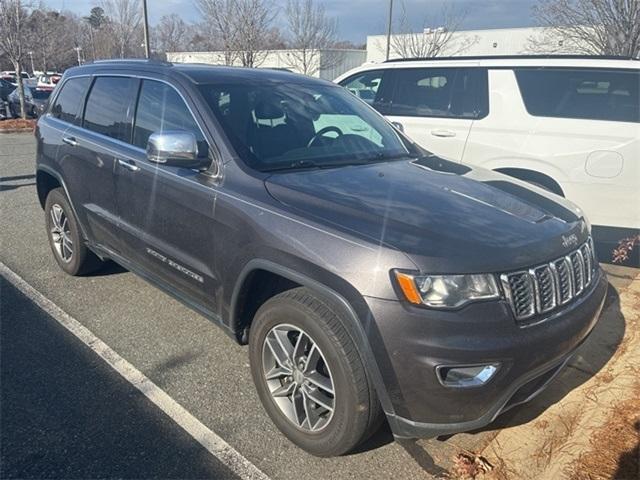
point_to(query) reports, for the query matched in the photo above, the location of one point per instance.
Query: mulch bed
(17, 125)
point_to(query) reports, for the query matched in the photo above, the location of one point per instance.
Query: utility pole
(389, 28)
(147, 49)
(30, 53)
(78, 50)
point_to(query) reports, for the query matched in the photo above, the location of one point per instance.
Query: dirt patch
(615, 447)
(585, 424)
(17, 125)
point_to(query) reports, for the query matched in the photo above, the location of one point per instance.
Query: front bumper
(417, 340)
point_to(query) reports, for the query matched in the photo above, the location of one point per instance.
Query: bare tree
(13, 39)
(254, 33)
(602, 27)
(171, 34)
(310, 31)
(221, 21)
(125, 17)
(431, 42)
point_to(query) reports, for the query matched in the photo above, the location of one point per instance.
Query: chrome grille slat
(546, 287)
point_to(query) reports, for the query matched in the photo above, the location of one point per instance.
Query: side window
(365, 85)
(160, 108)
(108, 107)
(596, 94)
(440, 92)
(68, 102)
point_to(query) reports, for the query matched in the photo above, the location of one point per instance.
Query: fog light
(471, 376)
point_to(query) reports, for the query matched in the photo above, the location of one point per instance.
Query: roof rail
(516, 57)
(152, 61)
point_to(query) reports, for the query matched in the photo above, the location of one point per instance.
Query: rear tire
(301, 323)
(64, 236)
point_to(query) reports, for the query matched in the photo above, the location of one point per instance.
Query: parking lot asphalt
(66, 414)
(197, 364)
(186, 355)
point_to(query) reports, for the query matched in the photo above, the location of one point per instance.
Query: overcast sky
(359, 18)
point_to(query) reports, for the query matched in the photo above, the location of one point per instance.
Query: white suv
(567, 124)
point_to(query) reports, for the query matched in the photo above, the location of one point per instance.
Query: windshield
(40, 94)
(286, 126)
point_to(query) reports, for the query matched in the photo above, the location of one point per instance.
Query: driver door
(167, 212)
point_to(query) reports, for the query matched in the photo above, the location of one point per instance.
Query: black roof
(198, 73)
(515, 57)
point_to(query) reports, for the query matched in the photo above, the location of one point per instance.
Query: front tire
(309, 375)
(64, 236)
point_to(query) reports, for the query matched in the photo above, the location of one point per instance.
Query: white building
(501, 41)
(328, 64)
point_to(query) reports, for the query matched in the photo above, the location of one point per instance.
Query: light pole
(78, 50)
(147, 50)
(31, 57)
(389, 28)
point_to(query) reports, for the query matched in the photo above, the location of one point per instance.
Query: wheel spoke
(278, 355)
(298, 407)
(284, 390)
(311, 413)
(320, 381)
(301, 344)
(320, 398)
(278, 372)
(312, 359)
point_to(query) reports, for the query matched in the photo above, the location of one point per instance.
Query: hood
(448, 218)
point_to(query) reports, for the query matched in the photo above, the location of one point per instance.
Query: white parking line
(224, 452)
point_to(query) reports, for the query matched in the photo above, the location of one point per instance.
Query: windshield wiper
(301, 164)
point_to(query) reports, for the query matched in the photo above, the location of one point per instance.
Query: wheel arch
(48, 179)
(336, 300)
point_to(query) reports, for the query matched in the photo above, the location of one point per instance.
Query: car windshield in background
(288, 126)
(40, 94)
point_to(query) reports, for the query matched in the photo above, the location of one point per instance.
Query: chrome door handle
(443, 133)
(70, 141)
(129, 165)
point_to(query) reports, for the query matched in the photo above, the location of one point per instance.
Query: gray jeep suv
(369, 278)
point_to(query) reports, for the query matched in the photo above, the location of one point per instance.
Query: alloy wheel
(61, 233)
(298, 377)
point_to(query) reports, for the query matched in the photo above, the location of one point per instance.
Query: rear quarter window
(67, 105)
(594, 94)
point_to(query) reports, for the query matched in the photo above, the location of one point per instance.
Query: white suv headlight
(447, 291)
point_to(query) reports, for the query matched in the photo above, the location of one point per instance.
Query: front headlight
(447, 291)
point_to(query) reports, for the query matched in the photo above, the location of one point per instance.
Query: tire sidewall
(331, 439)
(57, 197)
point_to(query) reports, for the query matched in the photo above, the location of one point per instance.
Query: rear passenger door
(167, 213)
(437, 106)
(93, 150)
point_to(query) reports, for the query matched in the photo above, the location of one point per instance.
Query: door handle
(128, 164)
(70, 141)
(443, 133)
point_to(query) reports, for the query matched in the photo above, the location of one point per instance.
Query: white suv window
(595, 94)
(440, 92)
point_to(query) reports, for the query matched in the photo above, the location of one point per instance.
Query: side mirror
(175, 148)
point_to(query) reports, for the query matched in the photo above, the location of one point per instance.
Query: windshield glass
(287, 126)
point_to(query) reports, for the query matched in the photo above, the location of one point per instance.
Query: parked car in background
(28, 80)
(570, 124)
(368, 277)
(35, 101)
(6, 88)
(48, 81)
